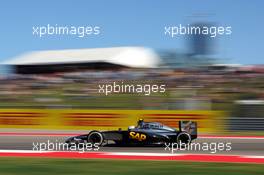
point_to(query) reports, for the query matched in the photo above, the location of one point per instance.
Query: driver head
(140, 121)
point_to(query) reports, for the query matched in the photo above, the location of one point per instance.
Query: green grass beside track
(43, 166)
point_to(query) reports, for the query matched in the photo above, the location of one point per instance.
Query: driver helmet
(140, 121)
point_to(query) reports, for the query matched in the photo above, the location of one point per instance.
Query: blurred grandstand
(70, 78)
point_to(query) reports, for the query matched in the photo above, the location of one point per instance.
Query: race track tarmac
(239, 146)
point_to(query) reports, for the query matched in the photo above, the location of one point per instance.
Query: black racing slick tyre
(95, 137)
(184, 138)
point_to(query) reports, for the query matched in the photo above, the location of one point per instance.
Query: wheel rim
(95, 137)
(184, 138)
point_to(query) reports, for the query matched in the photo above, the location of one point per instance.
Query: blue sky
(132, 23)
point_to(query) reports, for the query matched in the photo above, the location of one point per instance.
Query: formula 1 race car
(146, 133)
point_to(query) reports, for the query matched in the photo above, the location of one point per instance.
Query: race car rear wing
(189, 127)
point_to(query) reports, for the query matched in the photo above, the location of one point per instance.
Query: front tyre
(95, 137)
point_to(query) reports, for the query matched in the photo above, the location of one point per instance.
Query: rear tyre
(183, 138)
(95, 137)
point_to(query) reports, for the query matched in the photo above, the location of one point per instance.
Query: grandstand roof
(138, 57)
